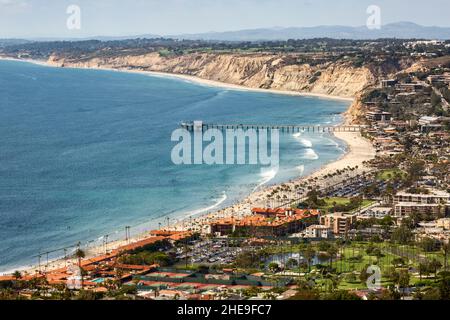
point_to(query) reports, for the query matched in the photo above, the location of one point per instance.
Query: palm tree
(423, 269)
(332, 251)
(435, 265)
(17, 275)
(445, 249)
(309, 254)
(119, 275)
(79, 254)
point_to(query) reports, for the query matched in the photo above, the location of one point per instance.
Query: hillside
(254, 71)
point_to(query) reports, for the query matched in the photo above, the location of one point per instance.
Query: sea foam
(221, 200)
(310, 154)
(304, 142)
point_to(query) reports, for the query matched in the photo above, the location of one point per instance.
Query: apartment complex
(339, 223)
(318, 232)
(434, 202)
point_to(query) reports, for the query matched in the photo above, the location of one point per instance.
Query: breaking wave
(304, 142)
(267, 176)
(310, 154)
(221, 200)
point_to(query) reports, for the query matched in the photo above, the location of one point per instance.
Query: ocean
(84, 153)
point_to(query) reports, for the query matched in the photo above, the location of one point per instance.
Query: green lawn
(346, 265)
(389, 174)
(330, 202)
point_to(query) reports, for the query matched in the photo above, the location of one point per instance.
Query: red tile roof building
(265, 222)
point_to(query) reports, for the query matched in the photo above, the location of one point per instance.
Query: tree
(435, 265)
(445, 248)
(364, 275)
(416, 169)
(309, 255)
(435, 99)
(87, 295)
(403, 280)
(324, 246)
(79, 254)
(332, 252)
(17, 275)
(428, 244)
(306, 291)
(430, 294)
(390, 294)
(274, 267)
(342, 295)
(423, 269)
(291, 263)
(398, 262)
(402, 235)
(444, 288)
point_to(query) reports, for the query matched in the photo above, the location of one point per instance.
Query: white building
(318, 232)
(432, 202)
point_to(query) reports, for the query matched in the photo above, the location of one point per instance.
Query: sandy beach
(200, 81)
(359, 150)
(212, 83)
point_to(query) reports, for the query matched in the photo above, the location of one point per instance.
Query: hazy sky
(48, 18)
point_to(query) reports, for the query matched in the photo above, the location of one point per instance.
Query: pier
(201, 126)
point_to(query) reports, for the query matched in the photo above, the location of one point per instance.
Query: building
(388, 83)
(434, 202)
(376, 212)
(433, 196)
(386, 145)
(428, 124)
(414, 44)
(405, 209)
(443, 223)
(409, 87)
(167, 283)
(318, 232)
(339, 223)
(378, 116)
(265, 222)
(443, 79)
(367, 233)
(437, 230)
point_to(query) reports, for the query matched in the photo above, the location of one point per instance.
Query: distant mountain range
(401, 30)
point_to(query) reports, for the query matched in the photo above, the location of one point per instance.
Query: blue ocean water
(84, 153)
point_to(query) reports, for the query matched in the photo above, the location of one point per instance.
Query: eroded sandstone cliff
(264, 71)
(254, 71)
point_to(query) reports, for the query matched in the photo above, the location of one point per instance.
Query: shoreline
(190, 78)
(358, 151)
(235, 87)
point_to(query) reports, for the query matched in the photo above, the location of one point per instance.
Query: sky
(49, 18)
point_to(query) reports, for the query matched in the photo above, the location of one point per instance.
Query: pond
(282, 259)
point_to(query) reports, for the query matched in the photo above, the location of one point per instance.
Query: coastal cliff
(263, 71)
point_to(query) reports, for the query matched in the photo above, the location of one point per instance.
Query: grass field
(331, 202)
(389, 174)
(352, 258)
